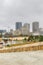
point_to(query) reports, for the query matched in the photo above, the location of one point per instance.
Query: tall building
(41, 31)
(27, 25)
(25, 29)
(18, 25)
(35, 27)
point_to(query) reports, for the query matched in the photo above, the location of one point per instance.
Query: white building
(41, 31)
(35, 33)
(11, 31)
(25, 30)
(17, 32)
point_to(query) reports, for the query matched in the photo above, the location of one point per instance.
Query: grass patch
(20, 44)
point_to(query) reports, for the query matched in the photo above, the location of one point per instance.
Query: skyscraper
(18, 25)
(35, 27)
(26, 29)
(41, 31)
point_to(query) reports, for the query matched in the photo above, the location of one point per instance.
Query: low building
(35, 33)
(17, 32)
(2, 32)
(11, 31)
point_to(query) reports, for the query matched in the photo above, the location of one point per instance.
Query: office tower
(35, 27)
(18, 25)
(26, 29)
(41, 31)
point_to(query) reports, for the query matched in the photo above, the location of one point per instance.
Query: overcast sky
(28, 11)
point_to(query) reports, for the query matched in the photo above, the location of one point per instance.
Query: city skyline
(21, 24)
(25, 29)
(12, 11)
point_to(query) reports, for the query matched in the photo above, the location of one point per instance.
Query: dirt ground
(22, 58)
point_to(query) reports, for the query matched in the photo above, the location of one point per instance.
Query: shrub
(41, 38)
(8, 45)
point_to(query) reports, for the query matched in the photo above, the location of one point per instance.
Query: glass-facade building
(18, 25)
(35, 26)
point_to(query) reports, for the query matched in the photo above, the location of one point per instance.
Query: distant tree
(8, 45)
(25, 39)
(41, 38)
(30, 38)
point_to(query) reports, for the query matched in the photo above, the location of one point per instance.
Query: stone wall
(31, 48)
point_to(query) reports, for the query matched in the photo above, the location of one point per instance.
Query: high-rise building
(35, 27)
(18, 25)
(41, 31)
(26, 29)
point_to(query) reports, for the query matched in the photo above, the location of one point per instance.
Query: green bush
(30, 38)
(25, 39)
(8, 45)
(41, 38)
(35, 38)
